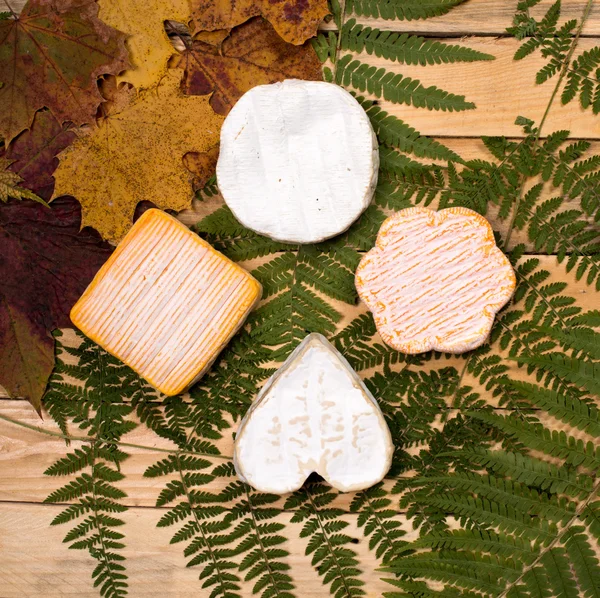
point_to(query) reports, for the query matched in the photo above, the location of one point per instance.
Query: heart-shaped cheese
(314, 415)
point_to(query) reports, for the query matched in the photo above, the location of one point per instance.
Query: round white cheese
(298, 160)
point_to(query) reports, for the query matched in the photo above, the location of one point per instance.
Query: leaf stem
(99, 527)
(112, 442)
(12, 12)
(328, 542)
(215, 560)
(261, 546)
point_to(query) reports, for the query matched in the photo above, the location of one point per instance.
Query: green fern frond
(584, 374)
(401, 9)
(582, 79)
(551, 442)
(497, 490)
(532, 472)
(571, 410)
(582, 340)
(482, 541)
(491, 514)
(95, 404)
(325, 46)
(482, 573)
(396, 133)
(405, 48)
(329, 547)
(584, 560)
(379, 522)
(395, 87)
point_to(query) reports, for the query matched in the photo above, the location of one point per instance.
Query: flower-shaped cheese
(435, 280)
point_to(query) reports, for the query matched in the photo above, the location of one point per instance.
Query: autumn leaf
(202, 165)
(294, 20)
(51, 55)
(33, 153)
(253, 54)
(135, 153)
(148, 43)
(45, 265)
(10, 185)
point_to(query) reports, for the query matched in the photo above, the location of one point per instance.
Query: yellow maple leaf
(148, 43)
(135, 153)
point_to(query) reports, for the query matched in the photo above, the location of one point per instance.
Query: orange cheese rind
(435, 280)
(166, 302)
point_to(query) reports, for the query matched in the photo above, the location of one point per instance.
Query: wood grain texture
(501, 89)
(36, 563)
(490, 17)
(33, 560)
(25, 454)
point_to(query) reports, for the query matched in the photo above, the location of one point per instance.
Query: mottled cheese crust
(166, 302)
(314, 415)
(298, 160)
(435, 280)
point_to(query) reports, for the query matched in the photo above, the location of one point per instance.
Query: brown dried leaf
(202, 165)
(51, 55)
(253, 54)
(294, 20)
(147, 41)
(33, 153)
(45, 265)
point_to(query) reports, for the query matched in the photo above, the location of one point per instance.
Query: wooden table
(34, 561)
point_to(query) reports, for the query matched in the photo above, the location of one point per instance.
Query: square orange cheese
(166, 302)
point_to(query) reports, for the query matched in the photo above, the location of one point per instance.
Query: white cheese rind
(314, 415)
(298, 160)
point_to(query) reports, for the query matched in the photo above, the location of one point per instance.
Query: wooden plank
(489, 17)
(512, 93)
(35, 562)
(15, 5)
(501, 89)
(25, 454)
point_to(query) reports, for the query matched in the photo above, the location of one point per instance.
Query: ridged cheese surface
(314, 415)
(435, 280)
(298, 160)
(166, 302)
